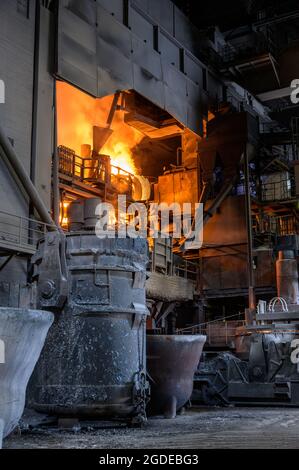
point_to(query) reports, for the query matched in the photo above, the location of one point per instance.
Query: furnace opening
(122, 144)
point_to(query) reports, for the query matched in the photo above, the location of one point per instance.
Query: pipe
(17, 169)
(219, 200)
(204, 192)
(251, 291)
(35, 93)
(287, 277)
(55, 168)
(226, 189)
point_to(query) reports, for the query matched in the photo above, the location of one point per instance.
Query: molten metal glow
(121, 157)
(63, 220)
(77, 113)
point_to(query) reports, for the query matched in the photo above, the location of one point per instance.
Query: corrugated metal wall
(17, 31)
(17, 20)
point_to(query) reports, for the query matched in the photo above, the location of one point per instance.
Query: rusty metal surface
(227, 138)
(224, 253)
(179, 186)
(226, 227)
(287, 280)
(172, 361)
(227, 274)
(222, 334)
(93, 363)
(169, 288)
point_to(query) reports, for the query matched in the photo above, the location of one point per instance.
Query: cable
(208, 322)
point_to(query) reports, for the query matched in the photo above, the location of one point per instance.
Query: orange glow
(63, 220)
(121, 157)
(78, 112)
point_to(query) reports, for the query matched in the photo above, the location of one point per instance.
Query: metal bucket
(172, 361)
(22, 334)
(93, 364)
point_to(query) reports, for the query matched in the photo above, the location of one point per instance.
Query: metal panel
(175, 93)
(114, 55)
(233, 272)
(162, 13)
(115, 71)
(114, 7)
(170, 50)
(193, 69)
(121, 59)
(142, 4)
(77, 51)
(194, 118)
(114, 33)
(195, 106)
(16, 70)
(179, 187)
(85, 9)
(185, 32)
(214, 87)
(148, 86)
(227, 227)
(147, 58)
(194, 92)
(140, 26)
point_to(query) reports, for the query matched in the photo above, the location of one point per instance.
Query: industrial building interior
(149, 341)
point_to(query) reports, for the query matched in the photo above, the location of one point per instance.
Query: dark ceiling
(228, 14)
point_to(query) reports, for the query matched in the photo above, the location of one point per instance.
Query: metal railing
(164, 261)
(275, 225)
(272, 127)
(185, 268)
(243, 49)
(284, 225)
(20, 234)
(278, 190)
(161, 255)
(219, 333)
(275, 10)
(88, 170)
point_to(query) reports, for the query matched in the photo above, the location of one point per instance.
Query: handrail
(19, 233)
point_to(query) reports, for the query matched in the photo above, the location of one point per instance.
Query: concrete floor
(226, 428)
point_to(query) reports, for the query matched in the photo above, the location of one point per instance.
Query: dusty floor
(230, 428)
